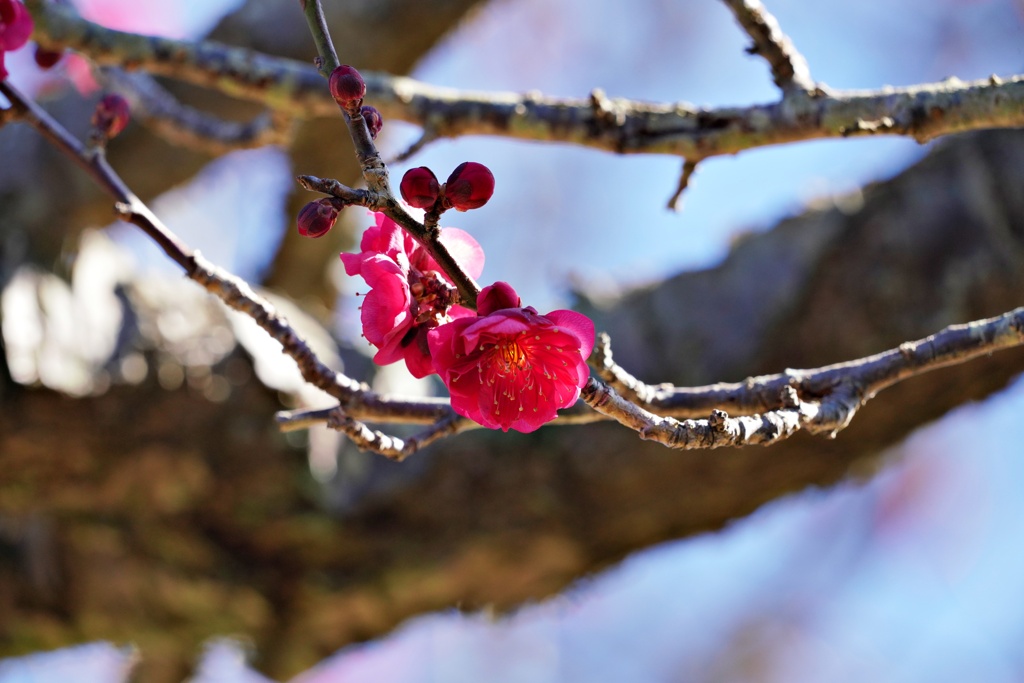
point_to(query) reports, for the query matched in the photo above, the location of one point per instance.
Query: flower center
(509, 356)
(432, 297)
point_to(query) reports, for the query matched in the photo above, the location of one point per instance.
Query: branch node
(789, 397)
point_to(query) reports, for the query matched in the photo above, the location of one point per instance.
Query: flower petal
(465, 250)
(577, 323)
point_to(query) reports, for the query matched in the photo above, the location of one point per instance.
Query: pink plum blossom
(409, 293)
(510, 367)
(15, 28)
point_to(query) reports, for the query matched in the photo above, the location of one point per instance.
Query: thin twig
(674, 202)
(375, 171)
(394, 447)
(789, 68)
(922, 112)
(233, 291)
(374, 408)
(334, 188)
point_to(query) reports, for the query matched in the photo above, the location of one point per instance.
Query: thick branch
(922, 112)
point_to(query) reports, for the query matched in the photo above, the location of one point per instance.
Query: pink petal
(15, 27)
(577, 323)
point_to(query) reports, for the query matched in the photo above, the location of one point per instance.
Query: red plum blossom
(409, 293)
(510, 367)
(15, 28)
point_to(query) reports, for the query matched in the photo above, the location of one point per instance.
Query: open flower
(15, 28)
(409, 293)
(510, 367)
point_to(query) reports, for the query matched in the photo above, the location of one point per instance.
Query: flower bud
(374, 121)
(496, 297)
(420, 188)
(469, 186)
(111, 115)
(318, 217)
(347, 86)
(47, 59)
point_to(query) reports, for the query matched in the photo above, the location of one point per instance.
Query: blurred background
(151, 516)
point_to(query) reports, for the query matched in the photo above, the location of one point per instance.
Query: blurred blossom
(189, 19)
(93, 663)
(223, 661)
(185, 19)
(62, 335)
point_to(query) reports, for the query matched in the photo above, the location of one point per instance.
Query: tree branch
(180, 124)
(375, 171)
(789, 68)
(233, 291)
(922, 112)
(393, 447)
(823, 400)
(770, 408)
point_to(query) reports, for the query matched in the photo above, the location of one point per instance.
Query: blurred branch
(675, 202)
(789, 68)
(182, 124)
(922, 112)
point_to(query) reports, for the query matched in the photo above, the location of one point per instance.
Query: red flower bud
(420, 188)
(374, 121)
(111, 115)
(469, 186)
(318, 217)
(496, 297)
(46, 59)
(347, 86)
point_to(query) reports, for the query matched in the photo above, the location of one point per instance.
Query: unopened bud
(111, 115)
(420, 188)
(46, 59)
(374, 121)
(469, 186)
(347, 86)
(496, 297)
(318, 217)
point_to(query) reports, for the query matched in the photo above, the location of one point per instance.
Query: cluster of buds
(469, 186)
(348, 89)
